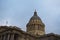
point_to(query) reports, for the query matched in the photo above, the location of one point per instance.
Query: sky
(19, 12)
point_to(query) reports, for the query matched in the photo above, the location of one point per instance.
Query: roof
(23, 32)
(35, 16)
(35, 19)
(48, 35)
(7, 28)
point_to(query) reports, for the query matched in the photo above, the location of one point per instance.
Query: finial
(35, 10)
(35, 13)
(6, 22)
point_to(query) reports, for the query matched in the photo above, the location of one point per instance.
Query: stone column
(8, 37)
(12, 37)
(1, 37)
(4, 37)
(19, 38)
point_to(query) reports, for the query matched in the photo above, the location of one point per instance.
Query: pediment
(10, 29)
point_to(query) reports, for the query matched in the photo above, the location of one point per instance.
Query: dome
(35, 16)
(35, 19)
(35, 25)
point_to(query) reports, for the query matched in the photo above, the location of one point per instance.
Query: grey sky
(18, 13)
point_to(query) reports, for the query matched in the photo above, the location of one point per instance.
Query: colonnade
(13, 36)
(8, 37)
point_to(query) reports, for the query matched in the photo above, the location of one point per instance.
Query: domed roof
(35, 16)
(35, 19)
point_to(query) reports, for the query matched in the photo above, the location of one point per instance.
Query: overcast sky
(18, 13)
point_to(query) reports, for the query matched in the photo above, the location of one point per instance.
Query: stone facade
(35, 26)
(14, 33)
(35, 31)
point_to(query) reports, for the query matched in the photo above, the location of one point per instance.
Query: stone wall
(14, 34)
